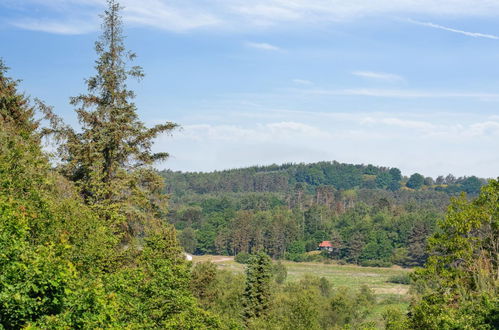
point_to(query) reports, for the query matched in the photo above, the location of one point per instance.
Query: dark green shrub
(375, 263)
(400, 279)
(243, 257)
(280, 272)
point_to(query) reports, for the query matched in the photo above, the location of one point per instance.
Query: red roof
(326, 244)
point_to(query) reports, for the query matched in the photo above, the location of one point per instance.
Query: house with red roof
(326, 245)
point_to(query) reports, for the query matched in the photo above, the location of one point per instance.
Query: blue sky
(412, 84)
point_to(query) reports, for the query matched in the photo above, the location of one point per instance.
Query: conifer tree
(110, 158)
(257, 293)
(15, 110)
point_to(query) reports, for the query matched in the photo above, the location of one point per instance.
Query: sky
(412, 84)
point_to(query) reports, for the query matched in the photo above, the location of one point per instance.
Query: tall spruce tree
(110, 158)
(257, 293)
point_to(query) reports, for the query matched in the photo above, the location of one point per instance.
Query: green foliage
(459, 282)
(202, 279)
(375, 263)
(379, 247)
(312, 303)
(395, 174)
(243, 257)
(400, 279)
(49, 240)
(188, 240)
(281, 178)
(88, 252)
(395, 319)
(416, 181)
(471, 185)
(257, 293)
(280, 272)
(110, 159)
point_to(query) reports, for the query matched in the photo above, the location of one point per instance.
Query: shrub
(243, 257)
(280, 272)
(375, 263)
(400, 279)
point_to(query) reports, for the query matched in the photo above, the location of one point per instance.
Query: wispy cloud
(82, 16)
(262, 46)
(445, 28)
(302, 82)
(162, 15)
(398, 122)
(378, 76)
(432, 145)
(403, 93)
(57, 27)
(187, 15)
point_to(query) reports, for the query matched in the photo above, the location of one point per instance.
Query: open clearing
(340, 275)
(388, 295)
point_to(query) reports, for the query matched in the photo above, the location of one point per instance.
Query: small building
(326, 246)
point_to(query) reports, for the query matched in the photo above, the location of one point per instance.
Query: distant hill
(287, 177)
(375, 215)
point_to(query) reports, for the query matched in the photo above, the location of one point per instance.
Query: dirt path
(222, 259)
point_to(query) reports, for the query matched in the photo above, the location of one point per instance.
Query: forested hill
(285, 178)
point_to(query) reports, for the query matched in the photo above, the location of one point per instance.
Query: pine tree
(15, 110)
(417, 254)
(110, 158)
(257, 293)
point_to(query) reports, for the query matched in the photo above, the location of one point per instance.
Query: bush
(304, 257)
(400, 279)
(296, 257)
(243, 257)
(395, 319)
(280, 272)
(375, 263)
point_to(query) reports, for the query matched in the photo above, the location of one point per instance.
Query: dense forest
(88, 233)
(283, 178)
(372, 215)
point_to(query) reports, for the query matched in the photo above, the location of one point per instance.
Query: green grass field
(351, 276)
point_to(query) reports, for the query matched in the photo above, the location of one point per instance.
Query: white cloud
(466, 33)
(262, 46)
(187, 15)
(487, 128)
(434, 146)
(378, 76)
(403, 93)
(302, 82)
(160, 14)
(68, 27)
(402, 123)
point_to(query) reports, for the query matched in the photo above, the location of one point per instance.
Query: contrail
(466, 33)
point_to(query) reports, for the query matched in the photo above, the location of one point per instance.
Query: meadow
(388, 295)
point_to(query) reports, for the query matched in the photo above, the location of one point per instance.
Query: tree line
(338, 176)
(369, 231)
